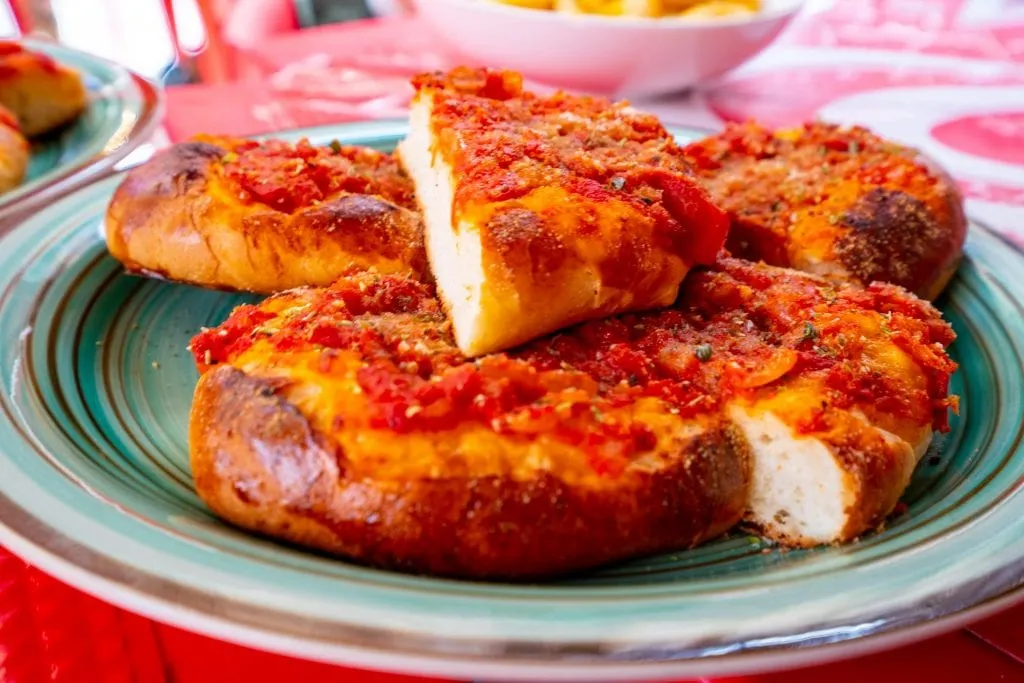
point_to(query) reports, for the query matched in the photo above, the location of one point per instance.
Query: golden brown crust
(840, 202)
(612, 415)
(41, 93)
(890, 236)
(877, 469)
(181, 217)
(259, 464)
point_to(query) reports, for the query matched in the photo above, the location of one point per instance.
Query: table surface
(873, 61)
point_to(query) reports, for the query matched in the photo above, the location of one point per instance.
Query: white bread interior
(456, 256)
(486, 313)
(800, 492)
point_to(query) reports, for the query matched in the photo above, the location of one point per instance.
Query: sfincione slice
(42, 93)
(837, 201)
(232, 213)
(14, 151)
(541, 212)
(345, 419)
(837, 389)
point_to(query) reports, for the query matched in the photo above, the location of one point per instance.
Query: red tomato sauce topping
(763, 179)
(738, 329)
(289, 177)
(8, 119)
(504, 143)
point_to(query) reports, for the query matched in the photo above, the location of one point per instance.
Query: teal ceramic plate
(95, 384)
(123, 110)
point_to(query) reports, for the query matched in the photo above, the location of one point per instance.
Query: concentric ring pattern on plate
(123, 110)
(96, 384)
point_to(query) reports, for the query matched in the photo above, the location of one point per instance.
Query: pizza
(837, 389)
(541, 212)
(37, 95)
(230, 213)
(14, 151)
(838, 201)
(525, 346)
(41, 93)
(347, 419)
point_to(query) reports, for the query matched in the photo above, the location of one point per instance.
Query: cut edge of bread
(455, 252)
(801, 494)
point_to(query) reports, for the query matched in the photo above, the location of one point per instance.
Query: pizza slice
(232, 213)
(838, 390)
(541, 212)
(42, 93)
(835, 200)
(346, 419)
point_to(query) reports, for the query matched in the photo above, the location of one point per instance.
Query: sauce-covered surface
(739, 330)
(504, 144)
(288, 177)
(7, 118)
(836, 200)
(15, 59)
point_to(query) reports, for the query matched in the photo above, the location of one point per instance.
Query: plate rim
(169, 607)
(126, 138)
(490, 667)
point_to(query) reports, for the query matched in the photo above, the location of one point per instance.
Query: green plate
(123, 110)
(95, 385)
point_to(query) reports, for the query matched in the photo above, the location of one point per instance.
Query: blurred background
(160, 38)
(944, 75)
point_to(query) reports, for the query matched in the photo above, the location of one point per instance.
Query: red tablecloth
(52, 632)
(946, 75)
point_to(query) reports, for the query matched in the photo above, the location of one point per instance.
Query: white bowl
(612, 55)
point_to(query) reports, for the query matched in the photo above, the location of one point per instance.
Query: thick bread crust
(835, 201)
(41, 93)
(891, 236)
(877, 470)
(178, 218)
(259, 464)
